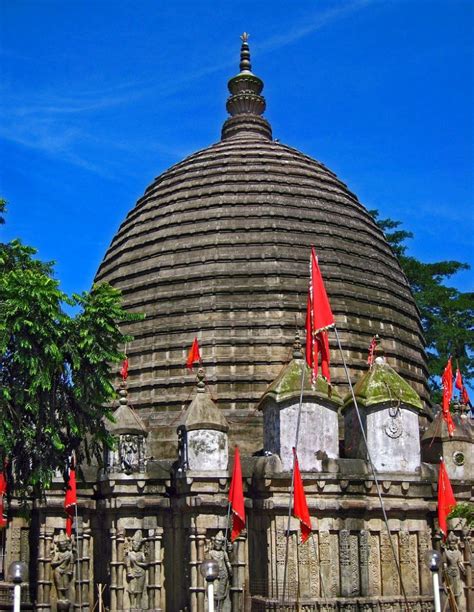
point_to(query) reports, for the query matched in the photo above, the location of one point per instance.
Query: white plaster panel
(318, 432)
(208, 450)
(389, 453)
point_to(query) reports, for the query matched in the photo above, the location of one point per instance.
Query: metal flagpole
(372, 467)
(293, 482)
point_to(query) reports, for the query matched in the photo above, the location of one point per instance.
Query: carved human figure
(454, 565)
(135, 566)
(62, 564)
(129, 453)
(222, 584)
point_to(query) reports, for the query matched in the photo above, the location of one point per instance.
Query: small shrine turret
(457, 450)
(318, 432)
(206, 430)
(389, 410)
(130, 431)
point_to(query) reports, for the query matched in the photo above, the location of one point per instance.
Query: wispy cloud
(57, 125)
(318, 21)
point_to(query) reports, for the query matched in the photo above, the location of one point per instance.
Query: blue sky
(99, 97)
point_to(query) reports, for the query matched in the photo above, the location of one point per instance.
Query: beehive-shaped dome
(219, 247)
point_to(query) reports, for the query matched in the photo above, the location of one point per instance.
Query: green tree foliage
(447, 314)
(464, 510)
(55, 369)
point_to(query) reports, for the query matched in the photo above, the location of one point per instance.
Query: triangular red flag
(3, 490)
(446, 501)
(447, 382)
(194, 355)
(300, 507)
(322, 313)
(70, 501)
(124, 369)
(236, 498)
(458, 382)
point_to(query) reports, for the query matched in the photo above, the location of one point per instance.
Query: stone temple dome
(218, 247)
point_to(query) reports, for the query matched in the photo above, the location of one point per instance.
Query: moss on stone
(288, 384)
(382, 384)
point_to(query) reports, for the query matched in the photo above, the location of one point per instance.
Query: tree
(447, 314)
(55, 369)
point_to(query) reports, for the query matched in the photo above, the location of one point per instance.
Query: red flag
(447, 382)
(465, 397)
(323, 347)
(236, 498)
(193, 355)
(322, 313)
(446, 501)
(309, 332)
(458, 381)
(300, 507)
(124, 369)
(372, 347)
(3, 490)
(316, 342)
(70, 500)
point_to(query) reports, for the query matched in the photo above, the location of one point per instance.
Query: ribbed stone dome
(219, 247)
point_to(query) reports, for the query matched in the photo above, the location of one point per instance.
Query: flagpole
(372, 467)
(298, 421)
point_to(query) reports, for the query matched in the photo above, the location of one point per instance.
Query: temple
(218, 248)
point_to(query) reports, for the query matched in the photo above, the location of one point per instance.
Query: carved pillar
(390, 580)
(113, 570)
(424, 544)
(348, 560)
(120, 541)
(41, 565)
(201, 544)
(408, 562)
(375, 578)
(468, 563)
(238, 562)
(154, 568)
(85, 563)
(364, 562)
(329, 563)
(194, 570)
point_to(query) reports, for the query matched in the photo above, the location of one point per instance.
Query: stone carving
(390, 579)
(455, 569)
(408, 561)
(364, 549)
(393, 425)
(222, 584)
(129, 453)
(375, 581)
(136, 564)
(62, 564)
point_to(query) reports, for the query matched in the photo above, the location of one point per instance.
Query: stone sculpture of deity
(135, 566)
(62, 564)
(129, 454)
(222, 584)
(455, 567)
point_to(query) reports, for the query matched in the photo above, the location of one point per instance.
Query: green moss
(382, 384)
(288, 383)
